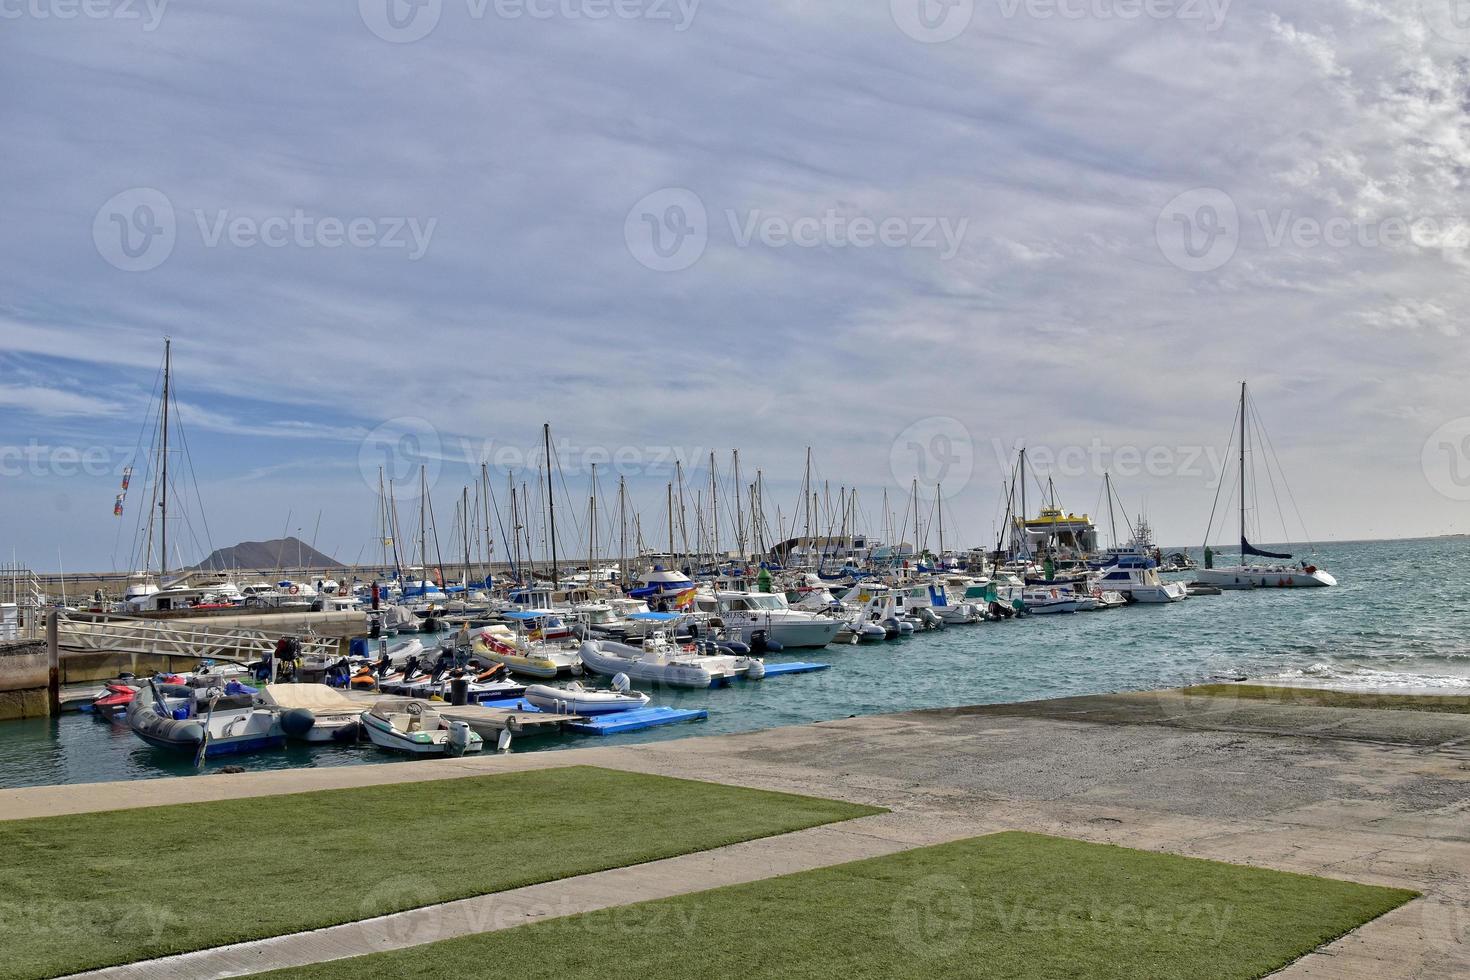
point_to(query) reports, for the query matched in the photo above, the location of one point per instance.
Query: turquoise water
(1399, 618)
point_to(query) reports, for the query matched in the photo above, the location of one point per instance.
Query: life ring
(294, 589)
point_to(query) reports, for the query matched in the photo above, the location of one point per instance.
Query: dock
(794, 667)
(636, 720)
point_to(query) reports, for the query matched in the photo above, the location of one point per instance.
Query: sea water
(1398, 620)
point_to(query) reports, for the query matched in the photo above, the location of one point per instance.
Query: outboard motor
(758, 643)
(459, 737)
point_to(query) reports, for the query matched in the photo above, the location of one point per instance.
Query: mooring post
(53, 659)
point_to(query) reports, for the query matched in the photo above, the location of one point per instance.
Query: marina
(1378, 630)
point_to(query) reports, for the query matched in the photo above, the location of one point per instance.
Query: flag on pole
(117, 506)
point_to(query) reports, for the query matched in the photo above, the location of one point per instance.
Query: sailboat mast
(622, 533)
(739, 517)
(592, 527)
(163, 498)
(1021, 475)
(1112, 524)
(1243, 437)
(939, 506)
(714, 512)
(464, 507)
(671, 523)
(550, 501)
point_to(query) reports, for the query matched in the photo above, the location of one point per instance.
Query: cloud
(1061, 318)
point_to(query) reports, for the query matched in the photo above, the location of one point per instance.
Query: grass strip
(89, 890)
(1014, 905)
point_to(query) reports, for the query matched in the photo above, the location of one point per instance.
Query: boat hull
(1264, 577)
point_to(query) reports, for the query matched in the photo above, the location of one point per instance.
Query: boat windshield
(767, 602)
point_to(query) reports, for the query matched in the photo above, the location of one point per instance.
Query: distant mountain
(262, 555)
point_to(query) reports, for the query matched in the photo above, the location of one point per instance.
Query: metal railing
(86, 632)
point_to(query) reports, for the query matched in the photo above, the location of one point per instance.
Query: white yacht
(1138, 579)
(748, 613)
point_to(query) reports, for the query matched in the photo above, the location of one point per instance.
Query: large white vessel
(748, 613)
(1247, 574)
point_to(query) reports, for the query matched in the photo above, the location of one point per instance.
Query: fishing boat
(574, 699)
(1273, 574)
(414, 727)
(222, 725)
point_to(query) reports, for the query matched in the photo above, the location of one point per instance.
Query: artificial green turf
(1014, 906)
(98, 889)
(1321, 697)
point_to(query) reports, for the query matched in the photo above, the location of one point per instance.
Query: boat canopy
(524, 614)
(654, 617)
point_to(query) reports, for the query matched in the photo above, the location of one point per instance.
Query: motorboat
(746, 614)
(659, 660)
(223, 724)
(523, 645)
(413, 726)
(1040, 602)
(1137, 578)
(313, 712)
(574, 699)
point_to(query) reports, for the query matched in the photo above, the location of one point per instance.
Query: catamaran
(1257, 575)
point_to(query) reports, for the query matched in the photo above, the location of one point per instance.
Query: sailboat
(1248, 574)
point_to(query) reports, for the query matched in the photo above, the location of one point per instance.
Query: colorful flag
(117, 506)
(127, 475)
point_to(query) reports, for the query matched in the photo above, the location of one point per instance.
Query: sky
(910, 235)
